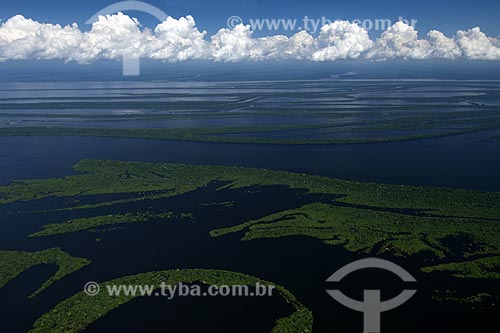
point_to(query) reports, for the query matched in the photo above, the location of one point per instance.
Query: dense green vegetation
(108, 177)
(365, 217)
(13, 263)
(99, 221)
(80, 310)
(471, 299)
(483, 268)
(376, 232)
(449, 232)
(221, 134)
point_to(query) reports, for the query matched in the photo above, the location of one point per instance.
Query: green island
(371, 231)
(471, 299)
(230, 134)
(104, 220)
(13, 263)
(482, 268)
(451, 235)
(77, 312)
(456, 225)
(110, 177)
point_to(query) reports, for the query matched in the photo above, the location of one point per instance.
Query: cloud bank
(113, 36)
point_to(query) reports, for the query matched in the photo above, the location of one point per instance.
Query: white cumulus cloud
(112, 37)
(178, 40)
(342, 40)
(234, 44)
(22, 38)
(400, 41)
(116, 36)
(476, 45)
(442, 46)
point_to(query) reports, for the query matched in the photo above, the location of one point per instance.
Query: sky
(226, 31)
(446, 16)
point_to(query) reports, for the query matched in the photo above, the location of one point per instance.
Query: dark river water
(300, 264)
(467, 161)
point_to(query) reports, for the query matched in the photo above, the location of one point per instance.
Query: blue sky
(446, 16)
(446, 30)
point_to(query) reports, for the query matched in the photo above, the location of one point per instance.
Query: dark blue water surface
(467, 161)
(301, 264)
